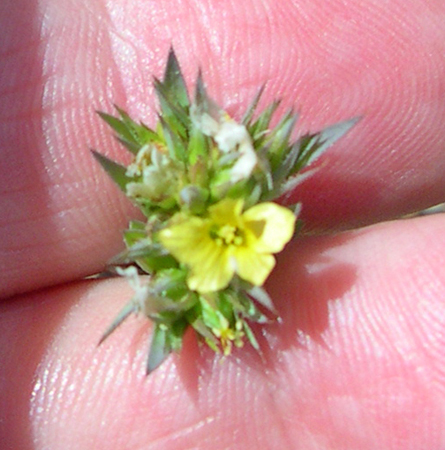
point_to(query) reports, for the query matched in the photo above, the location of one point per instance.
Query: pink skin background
(358, 360)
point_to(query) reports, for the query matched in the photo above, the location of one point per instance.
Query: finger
(330, 62)
(358, 354)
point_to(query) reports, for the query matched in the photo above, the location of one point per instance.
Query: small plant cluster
(208, 187)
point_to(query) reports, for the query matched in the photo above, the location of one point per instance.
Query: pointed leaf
(201, 97)
(285, 166)
(248, 115)
(174, 81)
(132, 146)
(114, 170)
(140, 133)
(160, 348)
(117, 125)
(198, 146)
(260, 295)
(174, 143)
(128, 309)
(250, 336)
(295, 181)
(313, 146)
(173, 113)
(278, 139)
(261, 125)
(204, 331)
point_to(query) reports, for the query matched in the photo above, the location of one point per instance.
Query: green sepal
(164, 341)
(160, 348)
(171, 283)
(118, 126)
(135, 232)
(174, 81)
(174, 143)
(225, 305)
(116, 171)
(202, 102)
(133, 135)
(312, 146)
(133, 147)
(244, 306)
(198, 146)
(283, 169)
(260, 295)
(194, 318)
(176, 116)
(259, 128)
(140, 133)
(248, 115)
(211, 315)
(251, 336)
(148, 255)
(126, 311)
(277, 141)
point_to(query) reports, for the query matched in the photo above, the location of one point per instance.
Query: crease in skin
(182, 433)
(133, 58)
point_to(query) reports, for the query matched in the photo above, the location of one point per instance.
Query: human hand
(357, 361)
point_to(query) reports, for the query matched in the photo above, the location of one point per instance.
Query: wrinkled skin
(359, 359)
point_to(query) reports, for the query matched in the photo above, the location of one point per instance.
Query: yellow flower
(229, 241)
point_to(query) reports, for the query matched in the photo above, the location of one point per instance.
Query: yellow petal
(271, 224)
(213, 273)
(253, 267)
(227, 211)
(183, 239)
(190, 243)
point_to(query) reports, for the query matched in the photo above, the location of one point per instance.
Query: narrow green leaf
(201, 97)
(285, 167)
(147, 135)
(210, 315)
(132, 146)
(260, 295)
(172, 112)
(116, 171)
(244, 305)
(198, 146)
(313, 146)
(247, 118)
(174, 143)
(160, 348)
(294, 181)
(261, 124)
(140, 133)
(251, 336)
(278, 140)
(118, 126)
(138, 250)
(128, 309)
(204, 331)
(174, 81)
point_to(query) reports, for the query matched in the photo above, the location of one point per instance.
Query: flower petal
(227, 211)
(253, 267)
(271, 224)
(213, 273)
(190, 243)
(183, 239)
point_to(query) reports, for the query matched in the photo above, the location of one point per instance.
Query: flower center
(226, 235)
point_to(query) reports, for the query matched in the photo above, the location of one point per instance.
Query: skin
(358, 360)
